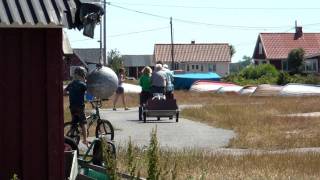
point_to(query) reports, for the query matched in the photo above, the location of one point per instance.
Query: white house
(200, 57)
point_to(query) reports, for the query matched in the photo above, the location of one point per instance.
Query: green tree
(232, 50)
(295, 60)
(238, 66)
(115, 60)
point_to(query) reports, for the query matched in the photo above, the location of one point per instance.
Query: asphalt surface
(185, 134)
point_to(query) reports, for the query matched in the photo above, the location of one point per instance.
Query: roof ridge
(289, 33)
(193, 44)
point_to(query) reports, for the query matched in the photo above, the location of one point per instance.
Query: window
(192, 67)
(176, 65)
(201, 67)
(197, 67)
(284, 65)
(260, 48)
(212, 67)
(310, 65)
(188, 68)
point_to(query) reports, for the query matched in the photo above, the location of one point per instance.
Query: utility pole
(101, 53)
(104, 34)
(172, 50)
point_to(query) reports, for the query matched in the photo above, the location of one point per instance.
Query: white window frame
(312, 62)
(260, 48)
(212, 67)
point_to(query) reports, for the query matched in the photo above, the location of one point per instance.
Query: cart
(159, 107)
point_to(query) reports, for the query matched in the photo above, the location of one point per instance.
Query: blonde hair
(147, 70)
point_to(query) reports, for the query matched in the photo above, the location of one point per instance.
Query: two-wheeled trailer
(160, 107)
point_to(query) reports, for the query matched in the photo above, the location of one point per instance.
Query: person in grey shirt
(158, 80)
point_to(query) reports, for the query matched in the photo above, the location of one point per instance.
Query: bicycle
(103, 127)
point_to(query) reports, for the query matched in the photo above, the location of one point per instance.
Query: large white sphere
(102, 82)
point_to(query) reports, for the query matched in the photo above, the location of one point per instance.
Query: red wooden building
(273, 48)
(31, 104)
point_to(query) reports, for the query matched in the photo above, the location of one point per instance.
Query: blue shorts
(120, 90)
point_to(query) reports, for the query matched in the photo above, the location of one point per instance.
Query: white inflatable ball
(102, 82)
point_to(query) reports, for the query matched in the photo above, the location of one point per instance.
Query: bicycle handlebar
(96, 103)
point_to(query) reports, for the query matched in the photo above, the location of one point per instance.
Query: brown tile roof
(278, 45)
(193, 52)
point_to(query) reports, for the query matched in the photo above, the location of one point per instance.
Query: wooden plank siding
(31, 104)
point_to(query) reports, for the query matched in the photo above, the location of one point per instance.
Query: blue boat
(184, 81)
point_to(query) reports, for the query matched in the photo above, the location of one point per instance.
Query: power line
(125, 34)
(218, 8)
(204, 23)
(141, 12)
(137, 32)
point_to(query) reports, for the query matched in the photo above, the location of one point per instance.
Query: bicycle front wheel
(104, 129)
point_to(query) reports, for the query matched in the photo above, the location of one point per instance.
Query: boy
(77, 89)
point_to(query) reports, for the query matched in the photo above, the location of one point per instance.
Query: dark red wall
(277, 64)
(31, 104)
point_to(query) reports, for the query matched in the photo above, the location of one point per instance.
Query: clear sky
(237, 22)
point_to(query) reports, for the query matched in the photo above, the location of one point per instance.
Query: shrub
(153, 156)
(261, 74)
(256, 72)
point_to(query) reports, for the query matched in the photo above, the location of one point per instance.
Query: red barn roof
(210, 52)
(278, 45)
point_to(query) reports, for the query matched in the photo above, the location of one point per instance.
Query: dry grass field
(258, 121)
(198, 165)
(258, 124)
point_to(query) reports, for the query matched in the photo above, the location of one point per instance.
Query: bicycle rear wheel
(72, 131)
(104, 129)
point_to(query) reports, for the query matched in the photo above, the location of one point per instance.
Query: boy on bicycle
(77, 89)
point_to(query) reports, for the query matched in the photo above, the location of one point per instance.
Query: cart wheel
(140, 113)
(144, 117)
(177, 117)
(158, 118)
(171, 117)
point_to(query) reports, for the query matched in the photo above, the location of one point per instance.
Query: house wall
(69, 61)
(277, 64)
(318, 64)
(221, 68)
(31, 104)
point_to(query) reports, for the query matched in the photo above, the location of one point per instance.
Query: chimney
(193, 42)
(299, 32)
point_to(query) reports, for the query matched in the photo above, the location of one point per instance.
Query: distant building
(135, 63)
(200, 57)
(274, 48)
(80, 57)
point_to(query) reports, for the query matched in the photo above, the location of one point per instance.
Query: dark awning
(37, 13)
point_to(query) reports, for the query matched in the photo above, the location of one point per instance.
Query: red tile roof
(278, 45)
(193, 52)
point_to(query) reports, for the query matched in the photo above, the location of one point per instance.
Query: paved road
(184, 134)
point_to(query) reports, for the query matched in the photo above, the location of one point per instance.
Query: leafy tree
(295, 60)
(238, 66)
(115, 60)
(232, 50)
(261, 74)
